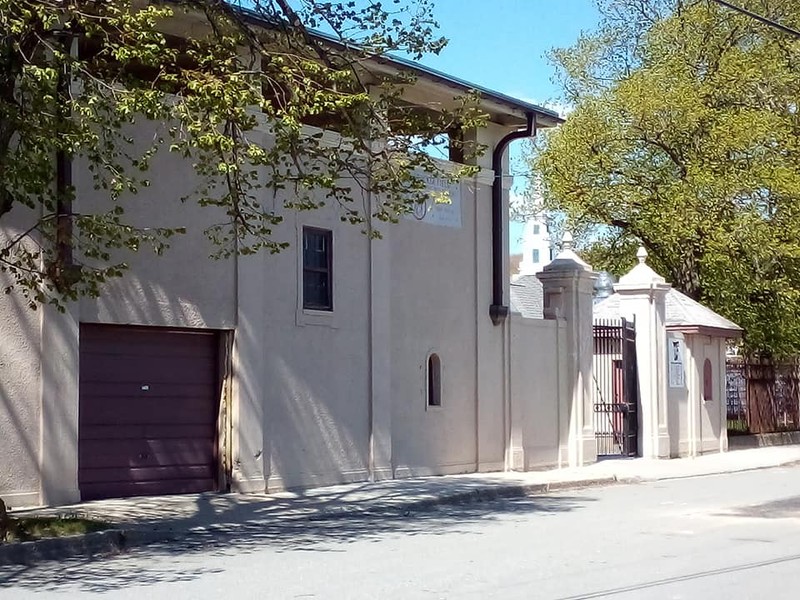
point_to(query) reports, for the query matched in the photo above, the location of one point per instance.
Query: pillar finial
(566, 241)
(641, 254)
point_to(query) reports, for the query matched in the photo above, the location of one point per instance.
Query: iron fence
(736, 396)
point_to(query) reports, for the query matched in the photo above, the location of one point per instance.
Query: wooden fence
(762, 396)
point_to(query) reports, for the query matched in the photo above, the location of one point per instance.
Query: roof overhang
(704, 330)
(502, 109)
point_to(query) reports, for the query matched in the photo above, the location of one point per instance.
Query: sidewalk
(139, 521)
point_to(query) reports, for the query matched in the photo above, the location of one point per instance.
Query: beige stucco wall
(432, 306)
(20, 393)
(493, 341)
(438, 301)
(678, 408)
(539, 400)
(711, 425)
(316, 370)
(698, 426)
(301, 381)
(317, 399)
(20, 386)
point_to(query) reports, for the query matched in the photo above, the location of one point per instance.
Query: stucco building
(681, 348)
(340, 359)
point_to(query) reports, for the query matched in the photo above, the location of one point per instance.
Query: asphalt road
(730, 537)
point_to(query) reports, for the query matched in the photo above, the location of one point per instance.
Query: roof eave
(493, 100)
(725, 332)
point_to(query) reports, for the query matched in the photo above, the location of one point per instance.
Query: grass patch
(738, 427)
(24, 529)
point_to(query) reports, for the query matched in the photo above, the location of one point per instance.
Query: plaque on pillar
(677, 378)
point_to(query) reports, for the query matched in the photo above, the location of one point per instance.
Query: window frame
(327, 270)
(708, 380)
(433, 381)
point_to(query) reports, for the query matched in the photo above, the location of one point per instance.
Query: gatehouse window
(708, 381)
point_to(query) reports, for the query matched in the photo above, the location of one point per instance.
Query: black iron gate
(616, 388)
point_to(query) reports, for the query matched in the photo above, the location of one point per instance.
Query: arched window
(434, 380)
(708, 381)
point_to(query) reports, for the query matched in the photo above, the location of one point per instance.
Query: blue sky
(501, 44)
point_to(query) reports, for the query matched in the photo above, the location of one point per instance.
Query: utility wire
(759, 18)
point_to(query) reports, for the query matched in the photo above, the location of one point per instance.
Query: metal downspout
(498, 310)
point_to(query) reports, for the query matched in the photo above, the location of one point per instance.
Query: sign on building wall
(443, 206)
(677, 377)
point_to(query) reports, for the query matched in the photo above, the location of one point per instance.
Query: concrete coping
(641, 278)
(568, 260)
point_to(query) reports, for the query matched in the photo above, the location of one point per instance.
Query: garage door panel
(141, 453)
(157, 473)
(98, 392)
(194, 348)
(146, 342)
(138, 431)
(148, 409)
(116, 489)
(152, 411)
(151, 370)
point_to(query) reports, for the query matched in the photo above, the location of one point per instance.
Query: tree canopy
(685, 137)
(75, 75)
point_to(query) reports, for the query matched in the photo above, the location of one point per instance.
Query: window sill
(323, 318)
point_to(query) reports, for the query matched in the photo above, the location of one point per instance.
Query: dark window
(456, 152)
(434, 380)
(535, 230)
(708, 381)
(536, 256)
(317, 269)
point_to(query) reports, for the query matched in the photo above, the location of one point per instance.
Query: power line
(759, 18)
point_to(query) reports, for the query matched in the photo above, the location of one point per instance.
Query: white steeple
(536, 245)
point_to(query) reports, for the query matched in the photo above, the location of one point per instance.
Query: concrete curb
(114, 541)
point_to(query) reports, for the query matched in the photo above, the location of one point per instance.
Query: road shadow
(785, 508)
(155, 564)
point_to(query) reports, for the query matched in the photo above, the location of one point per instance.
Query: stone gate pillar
(642, 298)
(568, 283)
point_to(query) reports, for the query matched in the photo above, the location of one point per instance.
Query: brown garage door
(148, 411)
